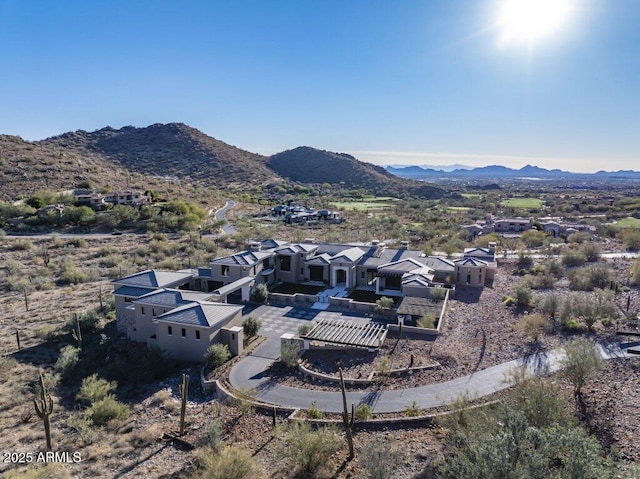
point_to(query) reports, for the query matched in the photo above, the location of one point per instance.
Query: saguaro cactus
(76, 332)
(348, 422)
(44, 408)
(184, 391)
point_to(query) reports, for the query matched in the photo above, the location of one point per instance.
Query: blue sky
(407, 82)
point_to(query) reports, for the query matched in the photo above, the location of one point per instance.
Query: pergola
(348, 333)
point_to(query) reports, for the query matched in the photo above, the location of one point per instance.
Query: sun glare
(531, 20)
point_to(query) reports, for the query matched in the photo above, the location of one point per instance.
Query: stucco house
(184, 312)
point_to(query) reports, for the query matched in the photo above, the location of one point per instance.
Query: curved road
(251, 374)
(220, 215)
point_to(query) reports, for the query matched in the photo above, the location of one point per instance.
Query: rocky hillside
(175, 150)
(145, 157)
(309, 165)
(27, 167)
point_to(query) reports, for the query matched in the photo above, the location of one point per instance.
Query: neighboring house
(499, 225)
(51, 211)
(557, 227)
(300, 214)
(126, 197)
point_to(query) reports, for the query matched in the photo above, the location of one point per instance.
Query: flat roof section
(348, 333)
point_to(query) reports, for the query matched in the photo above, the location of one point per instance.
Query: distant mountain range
(497, 172)
(143, 157)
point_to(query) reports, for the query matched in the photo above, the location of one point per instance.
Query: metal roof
(154, 278)
(244, 258)
(348, 333)
(172, 297)
(132, 291)
(201, 314)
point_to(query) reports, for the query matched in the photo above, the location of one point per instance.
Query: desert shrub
(214, 434)
(289, 354)
(591, 252)
(437, 294)
(364, 412)
(384, 366)
(590, 277)
(631, 240)
(582, 360)
(95, 389)
(413, 411)
(550, 305)
(543, 281)
(84, 428)
(314, 412)
(524, 260)
(523, 295)
(48, 471)
(503, 441)
(217, 355)
(304, 329)
(260, 293)
(308, 450)
(533, 325)
(571, 326)
(107, 409)
(21, 245)
(233, 462)
(251, 325)
(67, 360)
(427, 321)
(533, 239)
(76, 243)
(384, 303)
(572, 259)
(379, 459)
(71, 274)
(555, 268)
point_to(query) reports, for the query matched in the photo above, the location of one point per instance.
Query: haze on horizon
(422, 83)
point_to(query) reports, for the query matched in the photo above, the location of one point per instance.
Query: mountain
(309, 165)
(497, 171)
(144, 157)
(174, 150)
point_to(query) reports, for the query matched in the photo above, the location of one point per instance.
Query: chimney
(375, 242)
(405, 245)
(255, 246)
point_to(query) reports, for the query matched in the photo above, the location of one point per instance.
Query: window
(197, 334)
(468, 278)
(301, 270)
(184, 333)
(128, 300)
(285, 263)
(142, 310)
(153, 312)
(225, 270)
(169, 330)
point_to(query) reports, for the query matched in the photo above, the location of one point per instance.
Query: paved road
(252, 374)
(220, 215)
